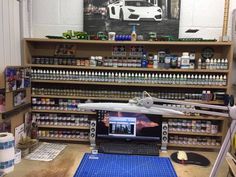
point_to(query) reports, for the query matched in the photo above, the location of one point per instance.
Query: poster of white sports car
(158, 16)
(134, 11)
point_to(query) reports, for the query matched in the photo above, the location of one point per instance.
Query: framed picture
(156, 16)
(19, 98)
(17, 78)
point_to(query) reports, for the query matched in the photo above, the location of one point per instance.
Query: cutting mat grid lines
(107, 165)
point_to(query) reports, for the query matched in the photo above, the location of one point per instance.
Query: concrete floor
(68, 160)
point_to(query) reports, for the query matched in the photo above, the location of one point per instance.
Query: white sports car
(134, 10)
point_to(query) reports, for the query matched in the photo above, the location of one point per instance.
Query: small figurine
(75, 35)
(102, 36)
(152, 36)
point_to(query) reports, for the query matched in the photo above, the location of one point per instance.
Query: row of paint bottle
(131, 77)
(205, 95)
(213, 64)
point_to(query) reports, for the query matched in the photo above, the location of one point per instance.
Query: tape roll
(7, 152)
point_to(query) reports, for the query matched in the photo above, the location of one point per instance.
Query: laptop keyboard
(129, 148)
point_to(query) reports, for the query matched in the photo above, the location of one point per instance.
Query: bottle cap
(185, 54)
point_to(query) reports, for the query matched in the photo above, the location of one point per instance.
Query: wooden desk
(66, 163)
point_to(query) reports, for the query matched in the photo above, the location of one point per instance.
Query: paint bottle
(185, 60)
(208, 63)
(174, 79)
(167, 61)
(211, 64)
(133, 34)
(178, 62)
(226, 64)
(161, 56)
(185, 79)
(218, 64)
(181, 79)
(192, 60)
(150, 61)
(224, 80)
(155, 61)
(177, 79)
(195, 82)
(159, 79)
(199, 63)
(222, 64)
(144, 61)
(214, 64)
(173, 62)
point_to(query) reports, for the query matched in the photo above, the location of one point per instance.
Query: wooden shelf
(59, 111)
(115, 99)
(195, 117)
(86, 48)
(129, 69)
(63, 127)
(131, 84)
(99, 42)
(194, 133)
(193, 146)
(15, 110)
(63, 139)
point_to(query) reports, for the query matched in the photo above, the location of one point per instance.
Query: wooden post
(225, 22)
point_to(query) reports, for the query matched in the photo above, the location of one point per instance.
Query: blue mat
(114, 165)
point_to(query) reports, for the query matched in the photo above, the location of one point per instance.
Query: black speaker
(92, 135)
(164, 137)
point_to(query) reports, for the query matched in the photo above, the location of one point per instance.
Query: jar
(185, 60)
(82, 62)
(99, 61)
(60, 61)
(64, 61)
(69, 61)
(73, 62)
(214, 128)
(120, 62)
(167, 61)
(173, 61)
(55, 61)
(92, 61)
(105, 62)
(114, 62)
(161, 56)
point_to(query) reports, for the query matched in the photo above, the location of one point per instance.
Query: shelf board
(63, 127)
(194, 133)
(115, 99)
(220, 102)
(99, 42)
(193, 146)
(63, 139)
(129, 69)
(59, 111)
(195, 117)
(130, 84)
(8, 113)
